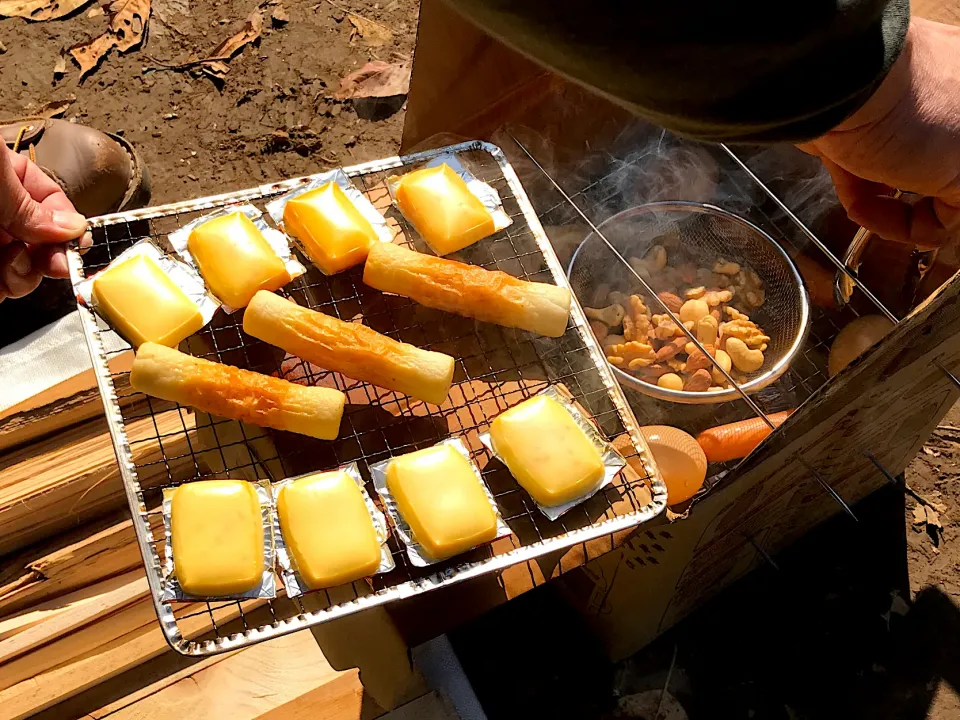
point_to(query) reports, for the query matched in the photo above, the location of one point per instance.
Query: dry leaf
(279, 16)
(128, 21)
(39, 9)
(250, 32)
(95, 11)
(56, 108)
(373, 33)
(919, 515)
(376, 79)
(933, 518)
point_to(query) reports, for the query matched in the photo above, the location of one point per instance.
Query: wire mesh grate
(161, 444)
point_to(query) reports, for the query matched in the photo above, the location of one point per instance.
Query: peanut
(707, 330)
(670, 381)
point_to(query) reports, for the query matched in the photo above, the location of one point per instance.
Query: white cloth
(47, 357)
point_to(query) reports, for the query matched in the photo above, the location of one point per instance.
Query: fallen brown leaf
(376, 79)
(279, 16)
(919, 515)
(372, 33)
(38, 10)
(128, 21)
(56, 108)
(250, 32)
(95, 11)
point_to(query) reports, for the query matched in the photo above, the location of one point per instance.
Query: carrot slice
(737, 440)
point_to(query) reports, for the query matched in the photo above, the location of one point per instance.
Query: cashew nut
(745, 359)
(725, 267)
(656, 258)
(611, 316)
(723, 360)
(707, 329)
(695, 293)
(670, 381)
(693, 310)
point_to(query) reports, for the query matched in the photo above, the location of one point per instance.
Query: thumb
(25, 219)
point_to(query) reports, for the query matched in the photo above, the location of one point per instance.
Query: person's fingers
(51, 261)
(24, 189)
(17, 272)
(928, 223)
(850, 188)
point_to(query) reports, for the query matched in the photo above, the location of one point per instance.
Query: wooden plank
(67, 563)
(69, 478)
(104, 653)
(284, 679)
(74, 611)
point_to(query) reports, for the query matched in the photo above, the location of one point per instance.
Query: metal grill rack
(601, 195)
(160, 444)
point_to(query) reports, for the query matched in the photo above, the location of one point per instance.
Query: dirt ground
(271, 118)
(859, 621)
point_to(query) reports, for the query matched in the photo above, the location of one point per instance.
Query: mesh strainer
(699, 234)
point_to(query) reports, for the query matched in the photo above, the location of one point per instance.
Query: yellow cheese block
(442, 500)
(217, 537)
(546, 451)
(235, 259)
(443, 210)
(143, 304)
(330, 228)
(328, 530)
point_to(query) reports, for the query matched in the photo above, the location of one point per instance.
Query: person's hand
(906, 137)
(36, 220)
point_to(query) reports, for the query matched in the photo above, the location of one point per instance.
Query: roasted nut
(715, 388)
(688, 272)
(725, 267)
(735, 314)
(616, 361)
(652, 372)
(629, 329)
(693, 310)
(707, 330)
(720, 281)
(666, 330)
(611, 340)
(723, 360)
(659, 319)
(698, 382)
(698, 361)
(671, 349)
(670, 381)
(631, 351)
(675, 365)
(611, 316)
(756, 298)
(717, 297)
(689, 325)
(695, 293)
(617, 298)
(743, 358)
(672, 302)
(640, 267)
(745, 330)
(599, 330)
(656, 258)
(638, 363)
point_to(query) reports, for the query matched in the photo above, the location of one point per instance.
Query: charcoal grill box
(881, 408)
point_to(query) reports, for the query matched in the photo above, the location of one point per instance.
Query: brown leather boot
(100, 172)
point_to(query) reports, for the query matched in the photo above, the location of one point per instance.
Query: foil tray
(160, 444)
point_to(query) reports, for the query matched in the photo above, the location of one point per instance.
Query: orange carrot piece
(737, 440)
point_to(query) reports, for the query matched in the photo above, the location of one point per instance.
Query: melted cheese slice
(217, 537)
(443, 210)
(328, 530)
(442, 500)
(330, 228)
(546, 451)
(143, 304)
(235, 259)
